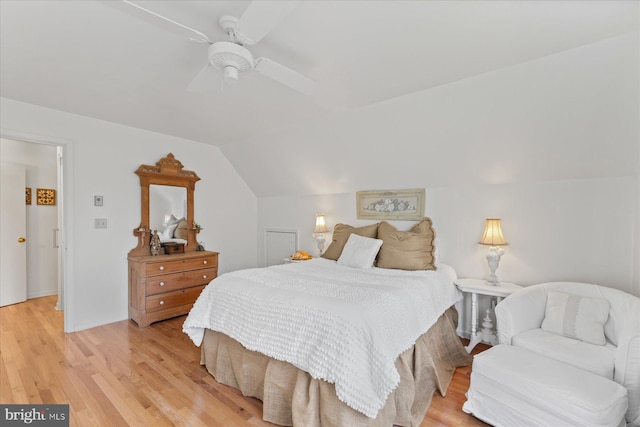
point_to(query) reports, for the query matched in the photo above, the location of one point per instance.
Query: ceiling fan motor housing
(230, 58)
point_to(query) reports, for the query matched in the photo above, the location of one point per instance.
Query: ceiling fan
(231, 57)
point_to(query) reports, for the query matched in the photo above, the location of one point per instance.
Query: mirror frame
(167, 171)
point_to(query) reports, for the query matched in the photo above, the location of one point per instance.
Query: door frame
(66, 204)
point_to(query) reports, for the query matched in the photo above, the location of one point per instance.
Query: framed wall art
(391, 204)
(27, 196)
(46, 196)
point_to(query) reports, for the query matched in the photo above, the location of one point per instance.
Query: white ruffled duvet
(343, 325)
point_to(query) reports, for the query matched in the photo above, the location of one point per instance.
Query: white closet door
(279, 244)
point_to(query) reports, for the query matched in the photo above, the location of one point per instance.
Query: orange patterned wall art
(46, 196)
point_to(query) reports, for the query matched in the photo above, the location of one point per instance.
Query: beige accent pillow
(341, 233)
(407, 250)
(181, 231)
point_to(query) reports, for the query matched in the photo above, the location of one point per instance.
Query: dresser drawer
(172, 282)
(172, 266)
(173, 299)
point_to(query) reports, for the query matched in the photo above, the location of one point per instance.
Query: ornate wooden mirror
(164, 187)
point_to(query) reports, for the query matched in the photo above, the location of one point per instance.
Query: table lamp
(320, 232)
(493, 238)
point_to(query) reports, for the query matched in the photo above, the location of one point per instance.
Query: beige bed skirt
(290, 396)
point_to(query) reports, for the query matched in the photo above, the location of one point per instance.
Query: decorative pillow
(572, 316)
(173, 220)
(167, 233)
(359, 252)
(181, 230)
(407, 250)
(341, 233)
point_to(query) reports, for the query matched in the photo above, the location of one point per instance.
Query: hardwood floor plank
(120, 374)
(94, 399)
(128, 409)
(15, 365)
(82, 418)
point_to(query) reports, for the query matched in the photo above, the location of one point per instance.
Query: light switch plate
(97, 200)
(100, 223)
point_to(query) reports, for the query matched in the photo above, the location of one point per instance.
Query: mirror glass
(164, 201)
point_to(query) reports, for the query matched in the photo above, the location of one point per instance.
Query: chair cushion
(593, 358)
(534, 390)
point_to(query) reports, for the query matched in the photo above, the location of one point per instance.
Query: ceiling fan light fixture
(230, 73)
(230, 57)
(223, 55)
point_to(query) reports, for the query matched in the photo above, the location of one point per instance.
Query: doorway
(43, 162)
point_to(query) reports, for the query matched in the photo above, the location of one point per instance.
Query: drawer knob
(161, 283)
(204, 276)
(161, 267)
(161, 302)
(204, 262)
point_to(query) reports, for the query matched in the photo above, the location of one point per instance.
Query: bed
(334, 342)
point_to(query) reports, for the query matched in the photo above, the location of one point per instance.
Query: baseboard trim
(42, 294)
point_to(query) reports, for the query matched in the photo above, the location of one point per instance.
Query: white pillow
(167, 233)
(170, 220)
(359, 251)
(572, 316)
(173, 220)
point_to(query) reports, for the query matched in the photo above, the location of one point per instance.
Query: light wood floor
(119, 374)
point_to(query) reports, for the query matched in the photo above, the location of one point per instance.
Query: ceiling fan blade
(203, 81)
(285, 75)
(145, 14)
(260, 18)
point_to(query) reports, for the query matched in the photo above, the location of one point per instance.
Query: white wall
(40, 162)
(636, 252)
(104, 158)
(575, 230)
(636, 273)
(551, 146)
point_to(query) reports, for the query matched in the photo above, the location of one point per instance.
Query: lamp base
(320, 238)
(493, 259)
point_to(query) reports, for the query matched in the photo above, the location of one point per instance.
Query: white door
(279, 244)
(13, 226)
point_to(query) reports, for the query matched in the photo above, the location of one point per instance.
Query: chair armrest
(627, 374)
(521, 311)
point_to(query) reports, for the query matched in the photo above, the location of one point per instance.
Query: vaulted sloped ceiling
(493, 91)
(572, 115)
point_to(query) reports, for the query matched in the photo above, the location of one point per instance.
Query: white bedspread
(343, 325)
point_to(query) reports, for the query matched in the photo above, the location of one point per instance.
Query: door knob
(21, 240)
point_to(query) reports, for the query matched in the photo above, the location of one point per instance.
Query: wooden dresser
(165, 286)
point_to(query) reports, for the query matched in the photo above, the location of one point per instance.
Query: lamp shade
(321, 226)
(492, 235)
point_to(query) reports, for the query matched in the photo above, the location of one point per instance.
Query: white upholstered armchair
(560, 321)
